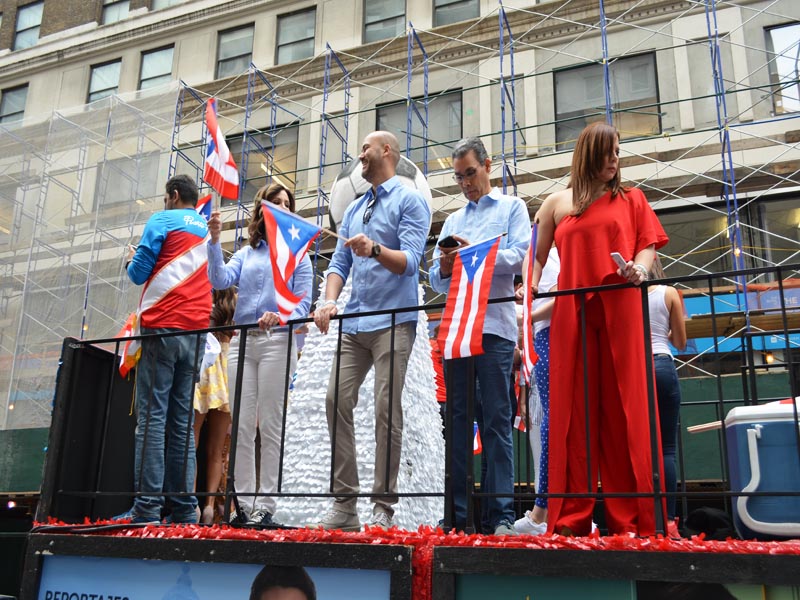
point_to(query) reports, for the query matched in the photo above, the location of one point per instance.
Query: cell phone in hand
(449, 242)
(621, 262)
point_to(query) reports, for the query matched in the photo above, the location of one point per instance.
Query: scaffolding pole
(412, 111)
(507, 95)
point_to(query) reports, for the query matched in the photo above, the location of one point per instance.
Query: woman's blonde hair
(265, 193)
(595, 144)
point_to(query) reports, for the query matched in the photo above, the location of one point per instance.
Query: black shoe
(261, 518)
(237, 519)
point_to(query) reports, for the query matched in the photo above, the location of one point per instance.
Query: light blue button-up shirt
(400, 220)
(492, 215)
(252, 270)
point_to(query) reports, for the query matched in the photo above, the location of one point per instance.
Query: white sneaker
(527, 526)
(380, 519)
(338, 519)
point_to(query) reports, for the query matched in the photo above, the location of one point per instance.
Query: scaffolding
(720, 140)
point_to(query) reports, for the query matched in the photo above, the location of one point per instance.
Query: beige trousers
(359, 352)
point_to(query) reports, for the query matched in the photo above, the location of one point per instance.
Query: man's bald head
(379, 156)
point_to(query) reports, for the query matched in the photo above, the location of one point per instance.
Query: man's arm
(509, 259)
(440, 278)
(144, 260)
(327, 308)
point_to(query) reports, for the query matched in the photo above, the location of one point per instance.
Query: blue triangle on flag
(472, 257)
(295, 231)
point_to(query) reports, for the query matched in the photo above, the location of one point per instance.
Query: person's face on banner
(282, 593)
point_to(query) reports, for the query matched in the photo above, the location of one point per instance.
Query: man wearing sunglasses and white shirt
(385, 231)
(488, 212)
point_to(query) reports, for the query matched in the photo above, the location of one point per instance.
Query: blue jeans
(493, 412)
(669, 402)
(165, 455)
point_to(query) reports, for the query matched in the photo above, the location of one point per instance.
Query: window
(383, 19)
(29, 19)
(115, 10)
(235, 51)
(295, 36)
(452, 11)
(697, 242)
(123, 181)
(156, 67)
(778, 230)
(444, 128)
(783, 53)
(159, 4)
(284, 156)
(104, 80)
(580, 98)
(12, 104)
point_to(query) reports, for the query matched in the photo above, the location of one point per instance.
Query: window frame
(4, 118)
(446, 159)
(150, 52)
(17, 30)
(313, 38)
(222, 32)
(92, 68)
(557, 119)
(437, 4)
(773, 73)
(403, 14)
(112, 3)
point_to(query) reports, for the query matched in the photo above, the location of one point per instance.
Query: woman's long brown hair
(265, 193)
(594, 145)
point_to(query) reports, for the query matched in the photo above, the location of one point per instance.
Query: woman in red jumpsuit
(590, 219)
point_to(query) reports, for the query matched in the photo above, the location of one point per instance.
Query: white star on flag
(294, 232)
(474, 259)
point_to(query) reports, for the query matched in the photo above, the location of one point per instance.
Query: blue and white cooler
(763, 457)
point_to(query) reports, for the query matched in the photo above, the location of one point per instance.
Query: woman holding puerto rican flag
(265, 358)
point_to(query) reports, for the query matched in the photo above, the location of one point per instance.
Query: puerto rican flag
(220, 170)
(477, 446)
(288, 237)
(529, 357)
(461, 330)
(203, 207)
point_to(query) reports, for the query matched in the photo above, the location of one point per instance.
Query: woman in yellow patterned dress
(211, 400)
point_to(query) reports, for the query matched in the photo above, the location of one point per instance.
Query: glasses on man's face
(369, 209)
(468, 174)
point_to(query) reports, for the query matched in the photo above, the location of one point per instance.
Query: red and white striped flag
(203, 207)
(220, 170)
(288, 238)
(461, 331)
(529, 357)
(477, 446)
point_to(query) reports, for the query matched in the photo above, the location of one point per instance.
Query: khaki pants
(358, 353)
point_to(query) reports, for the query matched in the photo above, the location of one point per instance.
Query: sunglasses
(368, 211)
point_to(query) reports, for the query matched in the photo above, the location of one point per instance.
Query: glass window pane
(284, 161)
(452, 11)
(444, 128)
(236, 43)
(379, 10)
(12, 104)
(159, 4)
(299, 26)
(233, 66)
(783, 45)
(26, 39)
(381, 30)
(114, 11)
(157, 63)
(295, 51)
(104, 80)
(29, 16)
